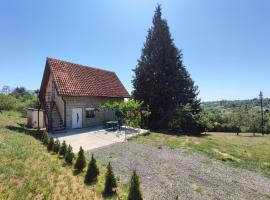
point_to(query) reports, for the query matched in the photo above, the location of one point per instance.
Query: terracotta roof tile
(78, 80)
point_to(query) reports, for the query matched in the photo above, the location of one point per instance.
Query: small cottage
(71, 94)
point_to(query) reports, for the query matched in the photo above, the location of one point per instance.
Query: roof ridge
(80, 65)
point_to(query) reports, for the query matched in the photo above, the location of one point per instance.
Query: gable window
(89, 112)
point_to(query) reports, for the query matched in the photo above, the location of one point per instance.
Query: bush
(7, 102)
(69, 155)
(56, 146)
(134, 189)
(110, 182)
(63, 149)
(81, 161)
(18, 102)
(130, 111)
(45, 137)
(185, 121)
(51, 144)
(92, 171)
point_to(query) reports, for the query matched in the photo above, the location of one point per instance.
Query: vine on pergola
(131, 111)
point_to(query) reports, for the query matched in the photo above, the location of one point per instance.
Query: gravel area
(170, 173)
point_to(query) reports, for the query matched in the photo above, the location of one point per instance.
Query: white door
(77, 118)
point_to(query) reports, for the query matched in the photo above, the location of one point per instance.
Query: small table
(112, 124)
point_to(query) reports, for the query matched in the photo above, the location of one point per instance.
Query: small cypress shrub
(45, 137)
(51, 144)
(81, 161)
(134, 189)
(69, 155)
(92, 171)
(110, 182)
(56, 146)
(63, 149)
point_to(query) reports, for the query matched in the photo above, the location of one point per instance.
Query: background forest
(228, 116)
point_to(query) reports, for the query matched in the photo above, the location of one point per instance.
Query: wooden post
(261, 102)
(38, 116)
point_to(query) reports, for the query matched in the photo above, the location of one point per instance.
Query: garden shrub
(134, 189)
(51, 144)
(92, 171)
(69, 155)
(63, 149)
(81, 161)
(110, 182)
(56, 146)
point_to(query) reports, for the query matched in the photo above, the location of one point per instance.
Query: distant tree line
(18, 99)
(230, 104)
(237, 116)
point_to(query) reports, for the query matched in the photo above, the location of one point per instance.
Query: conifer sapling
(51, 144)
(45, 137)
(81, 161)
(56, 146)
(110, 182)
(63, 149)
(92, 171)
(134, 189)
(69, 155)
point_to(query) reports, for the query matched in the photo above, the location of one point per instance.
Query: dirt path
(170, 173)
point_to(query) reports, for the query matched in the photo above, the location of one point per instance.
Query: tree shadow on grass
(66, 165)
(91, 183)
(182, 134)
(22, 129)
(109, 196)
(257, 135)
(77, 172)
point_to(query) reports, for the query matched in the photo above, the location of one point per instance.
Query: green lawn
(28, 171)
(244, 151)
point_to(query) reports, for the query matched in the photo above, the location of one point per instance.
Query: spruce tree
(45, 137)
(51, 144)
(110, 182)
(134, 189)
(63, 149)
(69, 155)
(92, 171)
(161, 80)
(81, 161)
(56, 146)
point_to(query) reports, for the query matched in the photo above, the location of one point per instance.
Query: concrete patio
(93, 138)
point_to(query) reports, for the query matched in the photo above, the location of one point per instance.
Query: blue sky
(226, 44)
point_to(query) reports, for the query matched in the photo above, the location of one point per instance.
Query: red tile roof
(78, 80)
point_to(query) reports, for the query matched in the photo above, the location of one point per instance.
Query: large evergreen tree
(161, 80)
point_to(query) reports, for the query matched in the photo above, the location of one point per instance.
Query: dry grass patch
(224, 156)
